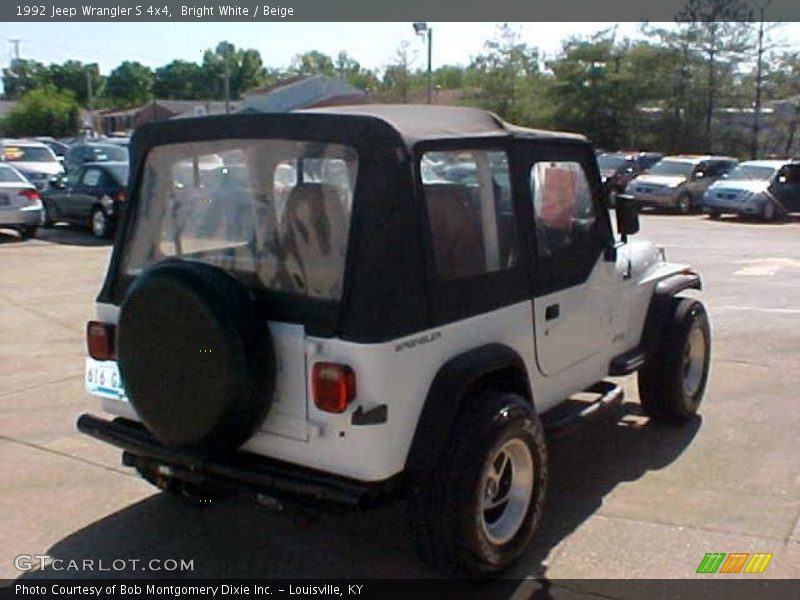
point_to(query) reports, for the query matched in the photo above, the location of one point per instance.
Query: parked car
(20, 204)
(678, 182)
(406, 352)
(91, 196)
(35, 160)
(86, 152)
(59, 148)
(763, 188)
(618, 168)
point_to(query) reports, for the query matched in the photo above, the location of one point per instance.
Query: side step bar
(571, 414)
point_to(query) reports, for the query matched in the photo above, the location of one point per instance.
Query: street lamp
(421, 28)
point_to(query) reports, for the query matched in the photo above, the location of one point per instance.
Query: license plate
(103, 379)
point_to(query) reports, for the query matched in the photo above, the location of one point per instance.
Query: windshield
(609, 162)
(9, 175)
(672, 167)
(272, 212)
(744, 172)
(28, 154)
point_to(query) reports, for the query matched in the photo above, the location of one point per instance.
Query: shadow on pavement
(236, 538)
(69, 236)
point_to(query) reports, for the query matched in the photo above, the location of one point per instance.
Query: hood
(48, 168)
(660, 180)
(739, 185)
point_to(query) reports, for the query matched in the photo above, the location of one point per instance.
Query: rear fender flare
(446, 394)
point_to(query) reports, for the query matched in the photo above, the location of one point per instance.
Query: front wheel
(28, 231)
(673, 381)
(768, 212)
(477, 513)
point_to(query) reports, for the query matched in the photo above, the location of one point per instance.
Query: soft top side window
(470, 210)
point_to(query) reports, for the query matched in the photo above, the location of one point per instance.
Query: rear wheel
(672, 383)
(477, 513)
(100, 225)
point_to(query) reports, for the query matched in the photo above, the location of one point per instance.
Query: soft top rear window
(275, 213)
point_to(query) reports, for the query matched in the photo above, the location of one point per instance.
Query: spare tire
(196, 357)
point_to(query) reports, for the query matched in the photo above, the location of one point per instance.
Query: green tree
(130, 84)
(507, 72)
(76, 77)
(23, 76)
(719, 30)
(313, 62)
(43, 111)
(244, 68)
(178, 80)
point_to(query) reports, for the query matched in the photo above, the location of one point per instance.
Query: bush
(43, 111)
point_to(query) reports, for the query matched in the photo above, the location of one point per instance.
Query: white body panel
(600, 319)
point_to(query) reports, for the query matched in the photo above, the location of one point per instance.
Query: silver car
(35, 160)
(678, 182)
(761, 188)
(20, 204)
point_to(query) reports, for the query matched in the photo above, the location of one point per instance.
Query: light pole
(421, 28)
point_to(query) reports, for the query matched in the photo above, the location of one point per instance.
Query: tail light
(333, 386)
(30, 195)
(121, 196)
(100, 340)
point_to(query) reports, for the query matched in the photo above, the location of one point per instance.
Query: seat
(316, 227)
(456, 230)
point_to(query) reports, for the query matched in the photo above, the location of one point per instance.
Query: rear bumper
(243, 473)
(28, 217)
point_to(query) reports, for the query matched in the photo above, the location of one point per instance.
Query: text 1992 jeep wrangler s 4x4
(343, 305)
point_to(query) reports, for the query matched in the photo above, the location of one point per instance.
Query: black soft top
(423, 122)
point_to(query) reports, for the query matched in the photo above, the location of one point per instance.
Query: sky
(372, 44)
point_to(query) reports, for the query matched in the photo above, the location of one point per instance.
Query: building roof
(420, 122)
(302, 92)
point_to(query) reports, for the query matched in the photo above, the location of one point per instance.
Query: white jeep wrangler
(346, 305)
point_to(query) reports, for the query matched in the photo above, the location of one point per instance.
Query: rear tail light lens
(121, 196)
(31, 195)
(334, 386)
(100, 340)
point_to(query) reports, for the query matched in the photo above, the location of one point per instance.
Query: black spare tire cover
(196, 357)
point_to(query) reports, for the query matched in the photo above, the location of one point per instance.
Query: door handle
(552, 312)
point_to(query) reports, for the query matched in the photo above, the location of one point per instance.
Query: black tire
(28, 232)
(665, 390)
(445, 512)
(714, 215)
(47, 220)
(196, 356)
(189, 494)
(684, 204)
(102, 232)
(768, 212)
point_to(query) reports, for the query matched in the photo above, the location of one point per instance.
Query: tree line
(659, 92)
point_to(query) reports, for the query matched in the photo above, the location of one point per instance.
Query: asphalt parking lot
(627, 499)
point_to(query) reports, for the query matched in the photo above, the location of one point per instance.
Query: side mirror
(627, 216)
(698, 175)
(59, 182)
(782, 179)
